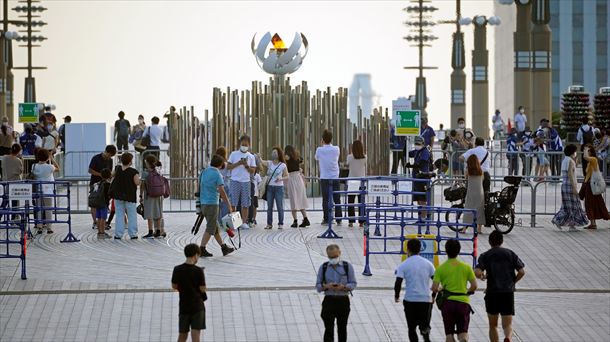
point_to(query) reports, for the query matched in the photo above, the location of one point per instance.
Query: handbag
(581, 192)
(263, 196)
(597, 183)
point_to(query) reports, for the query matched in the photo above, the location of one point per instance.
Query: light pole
(522, 54)
(30, 12)
(6, 75)
(480, 73)
(541, 61)
(421, 25)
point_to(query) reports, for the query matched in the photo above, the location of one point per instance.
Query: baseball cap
(419, 140)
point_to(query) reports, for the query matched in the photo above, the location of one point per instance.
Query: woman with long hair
(356, 161)
(571, 213)
(153, 206)
(475, 198)
(277, 173)
(595, 207)
(295, 186)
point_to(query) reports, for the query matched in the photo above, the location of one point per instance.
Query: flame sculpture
(280, 60)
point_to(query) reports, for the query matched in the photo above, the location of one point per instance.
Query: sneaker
(157, 233)
(134, 237)
(269, 227)
(117, 238)
(108, 227)
(205, 253)
(149, 235)
(305, 223)
(226, 250)
(280, 226)
(244, 226)
(294, 224)
(107, 236)
(251, 225)
(94, 226)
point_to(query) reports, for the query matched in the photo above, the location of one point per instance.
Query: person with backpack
(151, 138)
(99, 162)
(336, 278)
(151, 196)
(99, 198)
(417, 272)
(585, 136)
(449, 284)
(122, 128)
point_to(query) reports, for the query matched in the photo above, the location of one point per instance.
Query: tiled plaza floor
(120, 290)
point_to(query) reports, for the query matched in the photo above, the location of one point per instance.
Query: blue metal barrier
(420, 219)
(61, 205)
(362, 194)
(13, 225)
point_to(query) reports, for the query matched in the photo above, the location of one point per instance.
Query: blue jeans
(132, 219)
(275, 193)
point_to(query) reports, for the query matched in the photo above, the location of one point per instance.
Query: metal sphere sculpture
(279, 60)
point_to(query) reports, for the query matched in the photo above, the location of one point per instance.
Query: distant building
(580, 55)
(360, 94)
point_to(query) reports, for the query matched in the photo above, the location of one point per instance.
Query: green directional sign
(28, 112)
(408, 122)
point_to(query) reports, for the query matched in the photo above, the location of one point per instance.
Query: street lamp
(480, 72)
(6, 76)
(30, 12)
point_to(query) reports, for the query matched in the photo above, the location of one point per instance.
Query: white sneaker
(244, 226)
(280, 227)
(251, 225)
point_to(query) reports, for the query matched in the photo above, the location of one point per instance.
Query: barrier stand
(9, 225)
(405, 221)
(330, 233)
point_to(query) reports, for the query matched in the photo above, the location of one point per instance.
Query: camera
(197, 203)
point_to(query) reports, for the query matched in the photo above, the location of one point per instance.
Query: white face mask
(243, 148)
(418, 147)
(574, 156)
(141, 121)
(521, 111)
(461, 125)
(334, 261)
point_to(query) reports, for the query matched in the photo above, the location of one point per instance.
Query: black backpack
(96, 196)
(587, 136)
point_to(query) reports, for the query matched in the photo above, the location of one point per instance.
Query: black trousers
(351, 210)
(584, 165)
(418, 314)
(513, 165)
(327, 186)
(335, 308)
(486, 182)
(555, 164)
(526, 170)
(122, 143)
(397, 157)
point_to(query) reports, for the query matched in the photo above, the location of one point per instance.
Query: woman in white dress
(475, 198)
(356, 161)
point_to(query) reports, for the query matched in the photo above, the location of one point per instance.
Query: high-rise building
(581, 53)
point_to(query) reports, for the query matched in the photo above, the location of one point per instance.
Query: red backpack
(157, 185)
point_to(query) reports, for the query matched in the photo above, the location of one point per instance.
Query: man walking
(211, 189)
(121, 132)
(327, 156)
(189, 280)
(417, 273)
(484, 158)
(99, 162)
(520, 121)
(242, 165)
(336, 278)
(502, 269)
(452, 276)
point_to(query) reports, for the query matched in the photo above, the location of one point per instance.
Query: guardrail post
(367, 268)
(378, 217)
(330, 233)
(533, 209)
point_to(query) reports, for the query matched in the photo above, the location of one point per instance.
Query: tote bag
(598, 185)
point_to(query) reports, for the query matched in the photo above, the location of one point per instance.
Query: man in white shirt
(154, 132)
(484, 158)
(327, 156)
(497, 125)
(520, 121)
(417, 273)
(242, 165)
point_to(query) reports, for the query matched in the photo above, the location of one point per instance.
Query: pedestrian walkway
(120, 290)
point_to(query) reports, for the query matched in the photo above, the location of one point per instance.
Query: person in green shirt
(452, 276)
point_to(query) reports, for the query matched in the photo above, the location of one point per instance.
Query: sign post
(28, 112)
(408, 122)
(429, 247)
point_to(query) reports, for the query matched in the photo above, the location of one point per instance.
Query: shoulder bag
(267, 179)
(145, 142)
(597, 183)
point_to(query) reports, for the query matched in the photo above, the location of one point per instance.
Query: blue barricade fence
(401, 223)
(50, 204)
(370, 192)
(13, 235)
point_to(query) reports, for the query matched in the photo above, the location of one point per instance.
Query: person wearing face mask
(336, 278)
(421, 164)
(571, 213)
(512, 148)
(242, 165)
(520, 121)
(124, 191)
(527, 145)
(51, 139)
(136, 134)
(497, 125)
(62, 132)
(277, 173)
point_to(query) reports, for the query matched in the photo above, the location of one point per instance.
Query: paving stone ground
(120, 290)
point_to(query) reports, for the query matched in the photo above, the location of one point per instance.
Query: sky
(143, 56)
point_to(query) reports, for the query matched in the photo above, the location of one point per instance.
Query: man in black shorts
(189, 280)
(502, 269)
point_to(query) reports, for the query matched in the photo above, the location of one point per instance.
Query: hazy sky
(142, 56)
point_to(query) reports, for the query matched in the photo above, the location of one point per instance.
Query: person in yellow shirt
(452, 276)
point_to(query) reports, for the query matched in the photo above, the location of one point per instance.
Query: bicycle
(499, 205)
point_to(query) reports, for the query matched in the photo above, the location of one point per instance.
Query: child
(189, 281)
(513, 158)
(256, 183)
(111, 216)
(102, 212)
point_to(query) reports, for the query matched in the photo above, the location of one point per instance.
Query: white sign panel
(380, 187)
(20, 192)
(399, 105)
